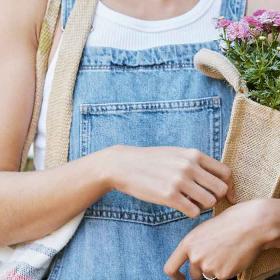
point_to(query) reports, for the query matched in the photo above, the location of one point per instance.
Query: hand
(227, 244)
(184, 179)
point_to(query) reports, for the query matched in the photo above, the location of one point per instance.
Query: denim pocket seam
(215, 144)
(85, 127)
(89, 111)
(146, 219)
(151, 106)
(136, 68)
(217, 134)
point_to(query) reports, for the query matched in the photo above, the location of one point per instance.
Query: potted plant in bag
(251, 64)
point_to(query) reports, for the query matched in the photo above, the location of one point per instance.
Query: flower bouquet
(251, 64)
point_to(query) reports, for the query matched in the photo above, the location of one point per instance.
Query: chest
(152, 97)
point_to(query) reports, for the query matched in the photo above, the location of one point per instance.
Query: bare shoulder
(20, 24)
(22, 17)
(257, 4)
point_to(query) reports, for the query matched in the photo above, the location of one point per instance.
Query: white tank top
(115, 30)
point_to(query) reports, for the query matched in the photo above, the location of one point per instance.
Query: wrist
(113, 175)
(92, 175)
(104, 173)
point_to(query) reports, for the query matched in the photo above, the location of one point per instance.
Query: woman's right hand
(184, 179)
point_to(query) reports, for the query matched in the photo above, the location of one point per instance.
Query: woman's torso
(142, 96)
(115, 30)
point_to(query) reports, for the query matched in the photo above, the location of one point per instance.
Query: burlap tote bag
(252, 150)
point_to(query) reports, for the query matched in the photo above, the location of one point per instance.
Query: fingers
(231, 194)
(200, 195)
(184, 205)
(175, 261)
(215, 167)
(178, 276)
(214, 184)
(195, 272)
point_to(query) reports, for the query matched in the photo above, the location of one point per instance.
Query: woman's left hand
(227, 244)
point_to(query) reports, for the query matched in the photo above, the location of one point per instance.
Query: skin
(32, 204)
(238, 235)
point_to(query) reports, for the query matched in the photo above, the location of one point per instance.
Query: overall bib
(152, 97)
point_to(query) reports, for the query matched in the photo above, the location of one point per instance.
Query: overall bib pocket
(155, 123)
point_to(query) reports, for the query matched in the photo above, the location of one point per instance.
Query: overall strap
(66, 8)
(44, 47)
(233, 9)
(59, 115)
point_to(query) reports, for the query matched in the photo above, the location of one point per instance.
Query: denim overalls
(151, 97)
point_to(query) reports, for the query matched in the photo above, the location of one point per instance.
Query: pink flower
(268, 17)
(256, 27)
(253, 21)
(238, 30)
(277, 22)
(223, 23)
(259, 12)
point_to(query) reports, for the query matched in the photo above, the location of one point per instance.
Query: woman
(149, 62)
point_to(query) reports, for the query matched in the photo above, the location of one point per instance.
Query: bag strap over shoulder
(59, 114)
(44, 48)
(217, 66)
(60, 104)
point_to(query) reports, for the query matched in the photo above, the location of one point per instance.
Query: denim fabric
(151, 97)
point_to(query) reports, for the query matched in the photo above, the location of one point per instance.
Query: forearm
(33, 204)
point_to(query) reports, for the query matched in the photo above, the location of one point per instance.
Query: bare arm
(30, 203)
(34, 204)
(17, 70)
(238, 235)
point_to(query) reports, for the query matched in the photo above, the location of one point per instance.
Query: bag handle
(44, 47)
(59, 115)
(217, 66)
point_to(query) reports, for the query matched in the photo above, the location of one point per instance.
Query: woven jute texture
(45, 43)
(59, 114)
(60, 104)
(252, 150)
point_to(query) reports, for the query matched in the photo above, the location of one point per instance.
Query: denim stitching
(160, 106)
(166, 56)
(85, 126)
(124, 68)
(127, 216)
(217, 134)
